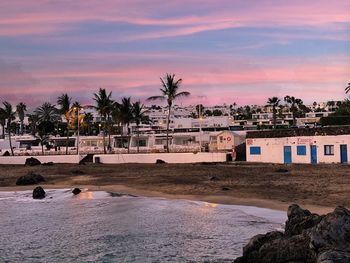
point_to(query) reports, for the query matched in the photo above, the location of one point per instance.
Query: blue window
(301, 150)
(254, 150)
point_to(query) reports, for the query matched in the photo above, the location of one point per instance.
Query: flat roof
(299, 132)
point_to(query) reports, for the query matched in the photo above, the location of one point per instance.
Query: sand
(317, 187)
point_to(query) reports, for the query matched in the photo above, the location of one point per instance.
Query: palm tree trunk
(104, 137)
(167, 130)
(274, 117)
(128, 137)
(42, 147)
(138, 139)
(67, 140)
(9, 132)
(21, 127)
(3, 131)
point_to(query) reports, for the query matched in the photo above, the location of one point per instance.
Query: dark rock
(281, 170)
(159, 161)
(30, 178)
(224, 188)
(214, 178)
(308, 238)
(32, 161)
(48, 164)
(299, 220)
(76, 191)
(38, 193)
(6, 153)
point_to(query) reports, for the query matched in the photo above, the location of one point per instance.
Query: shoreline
(317, 188)
(223, 200)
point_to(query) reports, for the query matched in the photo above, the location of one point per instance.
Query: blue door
(343, 153)
(287, 154)
(313, 154)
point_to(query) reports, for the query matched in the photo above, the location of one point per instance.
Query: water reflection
(210, 205)
(86, 195)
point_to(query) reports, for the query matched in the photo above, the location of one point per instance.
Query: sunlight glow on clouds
(231, 51)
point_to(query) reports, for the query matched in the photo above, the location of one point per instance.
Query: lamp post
(200, 127)
(78, 133)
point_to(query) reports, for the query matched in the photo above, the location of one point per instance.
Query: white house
(299, 149)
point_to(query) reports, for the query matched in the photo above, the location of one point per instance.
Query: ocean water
(96, 227)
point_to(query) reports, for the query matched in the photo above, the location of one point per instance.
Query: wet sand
(317, 187)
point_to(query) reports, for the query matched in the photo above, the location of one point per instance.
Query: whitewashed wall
(167, 157)
(272, 149)
(42, 159)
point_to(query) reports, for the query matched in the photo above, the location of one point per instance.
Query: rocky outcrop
(32, 161)
(38, 193)
(30, 178)
(159, 161)
(76, 191)
(308, 238)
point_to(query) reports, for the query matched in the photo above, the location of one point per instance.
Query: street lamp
(77, 109)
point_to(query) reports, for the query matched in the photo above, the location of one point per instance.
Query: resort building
(318, 145)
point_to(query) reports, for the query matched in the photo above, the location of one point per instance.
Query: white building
(299, 149)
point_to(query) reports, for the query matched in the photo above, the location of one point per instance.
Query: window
(301, 150)
(254, 150)
(329, 150)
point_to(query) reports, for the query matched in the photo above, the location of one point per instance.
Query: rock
(48, 164)
(308, 238)
(32, 161)
(30, 178)
(281, 170)
(214, 178)
(159, 161)
(299, 220)
(77, 172)
(224, 188)
(76, 191)
(38, 193)
(6, 153)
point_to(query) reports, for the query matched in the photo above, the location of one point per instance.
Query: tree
(88, 120)
(47, 112)
(45, 128)
(294, 105)
(347, 89)
(9, 114)
(217, 112)
(169, 93)
(199, 110)
(64, 102)
(33, 123)
(104, 105)
(274, 102)
(3, 122)
(21, 108)
(126, 113)
(138, 116)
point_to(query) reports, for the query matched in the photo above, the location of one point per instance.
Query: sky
(225, 51)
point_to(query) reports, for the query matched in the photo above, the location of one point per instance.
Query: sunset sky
(226, 50)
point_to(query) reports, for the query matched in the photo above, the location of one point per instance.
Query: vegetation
(21, 108)
(274, 102)
(169, 92)
(294, 106)
(64, 102)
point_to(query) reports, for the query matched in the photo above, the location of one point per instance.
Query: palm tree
(274, 102)
(47, 112)
(64, 102)
(138, 115)
(169, 93)
(3, 121)
(126, 116)
(347, 89)
(104, 105)
(294, 106)
(21, 108)
(88, 119)
(10, 116)
(33, 123)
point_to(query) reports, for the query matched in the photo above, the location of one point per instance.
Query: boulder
(308, 238)
(214, 178)
(30, 178)
(32, 161)
(159, 161)
(6, 153)
(48, 164)
(38, 193)
(76, 191)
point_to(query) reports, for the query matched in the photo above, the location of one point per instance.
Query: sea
(103, 227)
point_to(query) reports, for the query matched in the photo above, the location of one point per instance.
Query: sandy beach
(318, 188)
